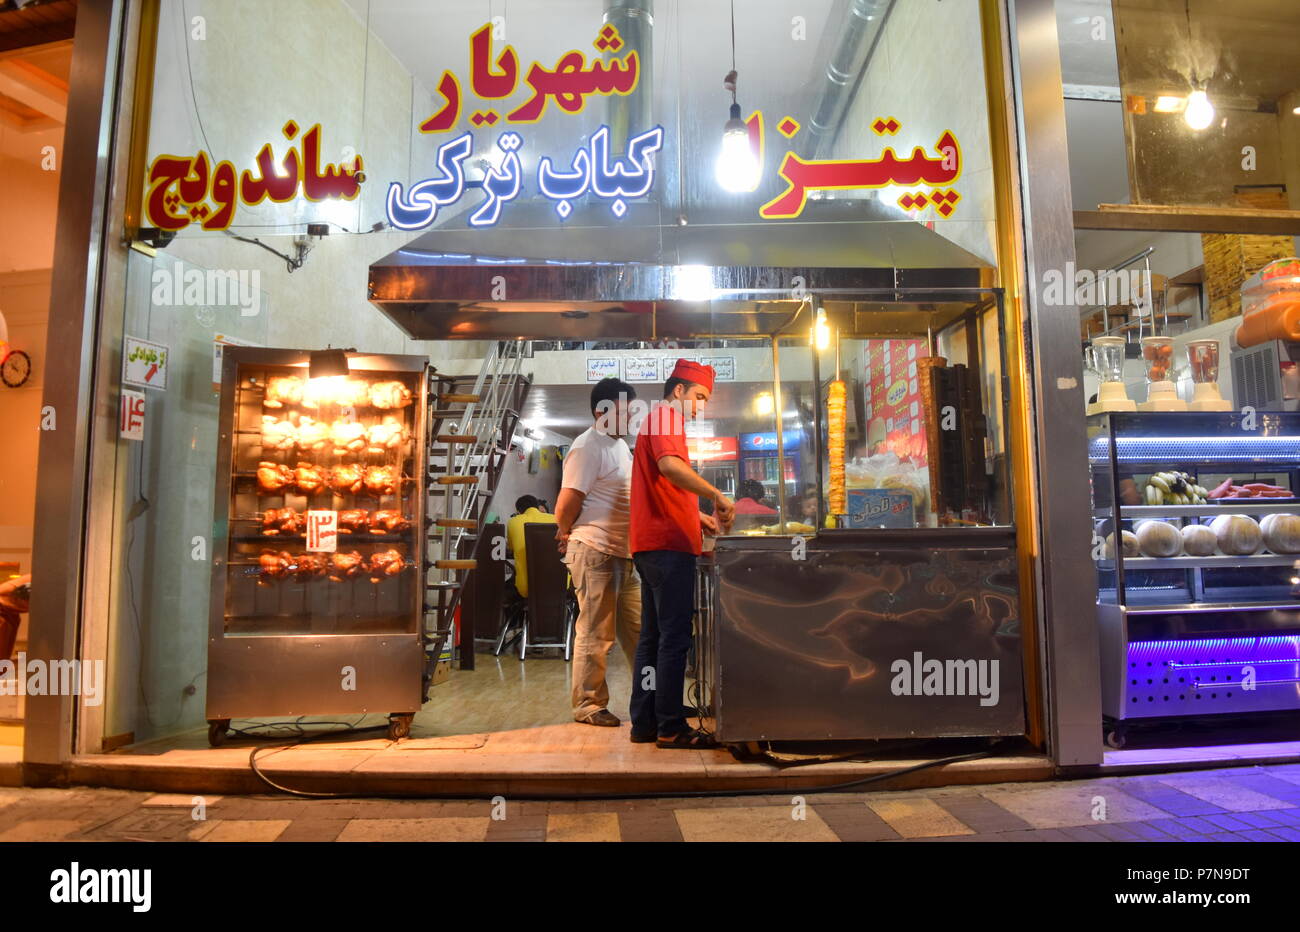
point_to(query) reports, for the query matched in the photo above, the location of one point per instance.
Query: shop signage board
(131, 415)
(895, 422)
(713, 449)
(602, 367)
(880, 508)
(144, 364)
(641, 369)
(766, 441)
(322, 530)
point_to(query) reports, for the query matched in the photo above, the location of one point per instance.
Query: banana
(1154, 496)
(1160, 482)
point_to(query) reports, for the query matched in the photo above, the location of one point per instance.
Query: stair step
(456, 438)
(455, 564)
(456, 522)
(452, 398)
(457, 480)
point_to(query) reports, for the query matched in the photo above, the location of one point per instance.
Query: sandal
(691, 738)
(644, 739)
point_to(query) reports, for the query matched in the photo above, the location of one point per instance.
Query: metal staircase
(471, 425)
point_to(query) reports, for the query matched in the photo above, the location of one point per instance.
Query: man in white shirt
(592, 515)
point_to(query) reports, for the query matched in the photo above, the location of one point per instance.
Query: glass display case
(318, 567)
(1196, 534)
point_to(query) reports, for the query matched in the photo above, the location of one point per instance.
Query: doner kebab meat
(836, 404)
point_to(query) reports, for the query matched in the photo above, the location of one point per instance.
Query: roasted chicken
(346, 566)
(282, 390)
(352, 393)
(388, 521)
(388, 435)
(282, 521)
(384, 564)
(354, 521)
(273, 477)
(389, 395)
(277, 434)
(313, 436)
(382, 480)
(310, 565)
(309, 479)
(274, 564)
(346, 479)
(348, 436)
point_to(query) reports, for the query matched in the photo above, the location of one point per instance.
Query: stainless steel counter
(862, 634)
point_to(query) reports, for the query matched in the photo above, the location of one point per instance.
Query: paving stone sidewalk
(1247, 804)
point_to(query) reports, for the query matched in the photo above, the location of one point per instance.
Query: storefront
(866, 258)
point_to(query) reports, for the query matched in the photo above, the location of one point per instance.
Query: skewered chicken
(352, 393)
(346, 566)
(388, 521)
(277, 434)
(346, 479)
(388, 435)
(353, 520)
(348, 436)
(382, 480)
(273, 477)
(274, 564)
(282, 521)
(318, 392)
(309, 479)
(313, 436)
(282, 390)
(310, 565)
(384, 564)
(389, 395)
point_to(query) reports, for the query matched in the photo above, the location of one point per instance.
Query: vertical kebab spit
(836, 403)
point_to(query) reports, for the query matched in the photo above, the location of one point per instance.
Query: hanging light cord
(729, 82)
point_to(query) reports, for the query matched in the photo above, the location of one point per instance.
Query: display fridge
(758, 461)
(318, 566)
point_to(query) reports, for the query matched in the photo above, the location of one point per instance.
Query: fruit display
(1229, 489)
(1174, 488)
(1238, 535)
(1158, 539)
(1159, 355)
(1281, 533)
(1128, 541)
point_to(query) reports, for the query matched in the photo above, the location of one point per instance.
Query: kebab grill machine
(799, 648)
(317, 580)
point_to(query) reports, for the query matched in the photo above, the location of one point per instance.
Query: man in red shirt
(665, 540)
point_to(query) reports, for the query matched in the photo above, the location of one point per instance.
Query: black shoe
(645, 739)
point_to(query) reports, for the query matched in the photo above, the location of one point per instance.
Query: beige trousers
(609, 606)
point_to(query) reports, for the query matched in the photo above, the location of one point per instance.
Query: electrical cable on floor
(561, 797)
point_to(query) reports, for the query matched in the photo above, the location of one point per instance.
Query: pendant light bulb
(736, 169)
(1199, 112)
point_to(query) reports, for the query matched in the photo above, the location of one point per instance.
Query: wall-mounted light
(821, 330)
(1199, 112)
(764, 404)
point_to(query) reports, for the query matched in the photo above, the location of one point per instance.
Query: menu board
(641, 368)
(894, 416)
(601, 367)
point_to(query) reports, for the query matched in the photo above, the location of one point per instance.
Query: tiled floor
(1242, 804)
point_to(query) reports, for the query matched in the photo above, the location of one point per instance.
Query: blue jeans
(667, 608)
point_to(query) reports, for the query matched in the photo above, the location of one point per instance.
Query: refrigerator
(758, 460)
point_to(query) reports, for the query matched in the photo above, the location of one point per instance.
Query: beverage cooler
(758, 461)
(318, 562)
(1196, 533)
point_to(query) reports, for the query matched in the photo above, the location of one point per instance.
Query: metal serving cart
(318, 569)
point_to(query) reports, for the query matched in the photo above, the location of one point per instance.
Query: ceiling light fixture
(1199, 112)
(736, 169)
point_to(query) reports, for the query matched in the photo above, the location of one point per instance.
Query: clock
(16, 369)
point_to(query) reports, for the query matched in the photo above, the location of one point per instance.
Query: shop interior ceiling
(35, 63)
(684, 263)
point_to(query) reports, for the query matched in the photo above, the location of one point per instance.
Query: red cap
(694, 372)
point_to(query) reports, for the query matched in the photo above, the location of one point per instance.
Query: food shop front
(850, 248)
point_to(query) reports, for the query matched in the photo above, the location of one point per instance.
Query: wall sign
(219, 342)
(601, 367)
(712, 449)
(144, 363)
(322, 531)
(725, 366)
(131, 415)
(641, 369)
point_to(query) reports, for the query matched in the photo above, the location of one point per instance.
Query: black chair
(551, 609)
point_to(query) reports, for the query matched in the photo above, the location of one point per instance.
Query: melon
(1158, 539)
(1199, 540)
(1130, 544)
(1281, 533)
(1238, 535)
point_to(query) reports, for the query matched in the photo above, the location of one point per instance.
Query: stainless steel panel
(1067, 586)
(813, 649)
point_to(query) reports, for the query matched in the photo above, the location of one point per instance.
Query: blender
(1203, 357)
(1158, 354)
(1106, 357)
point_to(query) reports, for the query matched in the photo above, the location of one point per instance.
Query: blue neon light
(1201, 449)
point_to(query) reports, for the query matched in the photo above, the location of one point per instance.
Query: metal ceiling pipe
(858, 33)
(627, 116)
